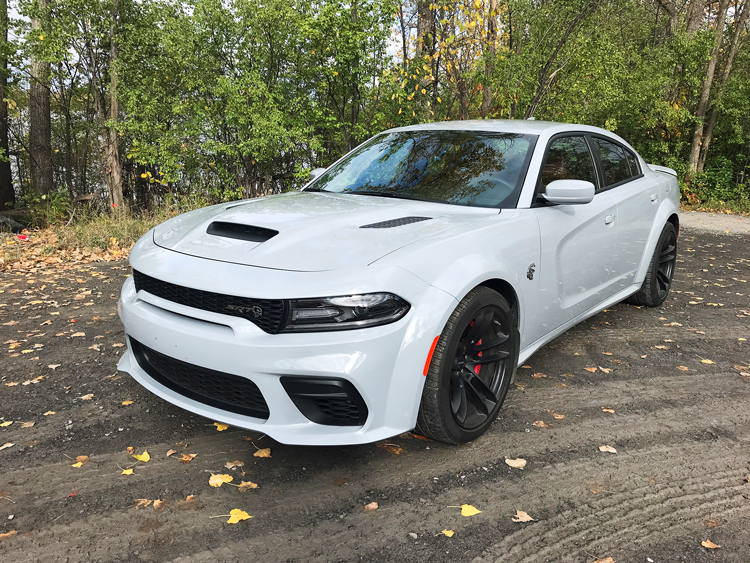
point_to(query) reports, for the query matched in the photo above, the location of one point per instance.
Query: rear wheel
(660, 272)
(471, 369)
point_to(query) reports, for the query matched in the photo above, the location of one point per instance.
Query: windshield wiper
(394, 195)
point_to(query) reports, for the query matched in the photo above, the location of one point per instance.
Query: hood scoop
(239, 231)
(395, 222)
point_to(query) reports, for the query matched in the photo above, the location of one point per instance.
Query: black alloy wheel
(471, 369)
(658, 280)
(665, 267)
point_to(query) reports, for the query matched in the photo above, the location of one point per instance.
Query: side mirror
(569, 192)
(316, 172)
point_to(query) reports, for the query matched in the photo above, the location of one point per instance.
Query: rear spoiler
(657, 168)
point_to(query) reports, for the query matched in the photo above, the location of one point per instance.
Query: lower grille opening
(329, 401)
(214, 388)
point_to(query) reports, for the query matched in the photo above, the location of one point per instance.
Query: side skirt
(527, 352)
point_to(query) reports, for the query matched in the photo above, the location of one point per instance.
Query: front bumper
(384, 364)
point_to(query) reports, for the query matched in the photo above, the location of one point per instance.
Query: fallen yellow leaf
(372, 506)
(187, 458)
(706, 362)
(592, 370)
(170, 452)
(246, 486)
(538, 375)
(77, 464)
(265, 452)
(160, 505)
(144, 457)
(522, 516)
(7, 423)
(80, 460)
(127, 472)
(142, 503)
(611, 411)
(558, 416)
(126, 403)
(221, 427)
(237, 515)
(710, 545)
(8, 534)
(683, 368)
(233, 464)
(518, 463)
(27, 424)
(219, 480)
(541, 424)
(605, 560)
(131, 449)
(7, 445)
(467, 510)
(448, 533)
(609, 449)
(48, 413)
(87, 397)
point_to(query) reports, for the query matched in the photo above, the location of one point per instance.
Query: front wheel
(471, 369)
(660, 272)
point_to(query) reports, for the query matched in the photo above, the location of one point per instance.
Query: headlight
(344, 313)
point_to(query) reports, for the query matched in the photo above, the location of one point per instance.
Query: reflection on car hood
(316, 231)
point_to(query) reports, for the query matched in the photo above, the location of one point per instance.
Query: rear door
(637, 200)
(578, 242)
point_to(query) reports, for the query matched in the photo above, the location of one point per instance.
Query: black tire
(660, 272)
(465, 389)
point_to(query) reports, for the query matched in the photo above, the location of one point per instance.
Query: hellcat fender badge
(530, 271)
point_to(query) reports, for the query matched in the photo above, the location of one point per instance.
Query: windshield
(460, 167)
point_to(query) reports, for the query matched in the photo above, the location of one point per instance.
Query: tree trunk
(700, 112)
(404, 43)
(113, 172)
(7, 194)
(425, 25)
(739, 26)
(40, 126)
(489, 59)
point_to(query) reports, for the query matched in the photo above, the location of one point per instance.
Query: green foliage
(227, 99)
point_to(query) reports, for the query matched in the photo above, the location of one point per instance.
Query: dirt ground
(675, 382)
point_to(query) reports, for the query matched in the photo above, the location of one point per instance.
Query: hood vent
(240, 232)
(395, 222)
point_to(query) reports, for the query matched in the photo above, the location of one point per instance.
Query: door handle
(654, 197)
(609, 219)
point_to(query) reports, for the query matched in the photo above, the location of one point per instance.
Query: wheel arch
(508, 292)
(668, 213)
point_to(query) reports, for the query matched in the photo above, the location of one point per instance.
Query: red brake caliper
(477, 367)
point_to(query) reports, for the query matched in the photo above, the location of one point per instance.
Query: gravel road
(667, 388)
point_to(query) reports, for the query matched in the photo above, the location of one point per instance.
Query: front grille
(214, 388)
(268, 314)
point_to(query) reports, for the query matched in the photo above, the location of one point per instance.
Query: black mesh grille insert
(268, 314)
(395, 222)
(214, 388)
(324, 400)
(341, 410)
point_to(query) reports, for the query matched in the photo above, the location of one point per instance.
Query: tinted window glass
(568, 158)
(614, 162)
(461, 167)
(633, 163)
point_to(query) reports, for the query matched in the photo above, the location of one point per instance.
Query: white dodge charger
(403, 285)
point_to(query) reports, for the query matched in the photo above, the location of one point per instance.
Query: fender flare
(666, 210)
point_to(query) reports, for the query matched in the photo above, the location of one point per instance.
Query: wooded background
(130, 103)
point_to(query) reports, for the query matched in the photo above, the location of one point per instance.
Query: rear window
(614, 160)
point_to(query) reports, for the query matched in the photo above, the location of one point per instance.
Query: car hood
(315, 231)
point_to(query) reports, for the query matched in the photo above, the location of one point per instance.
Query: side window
(633, 163)
(614, 161)
(568, 158)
